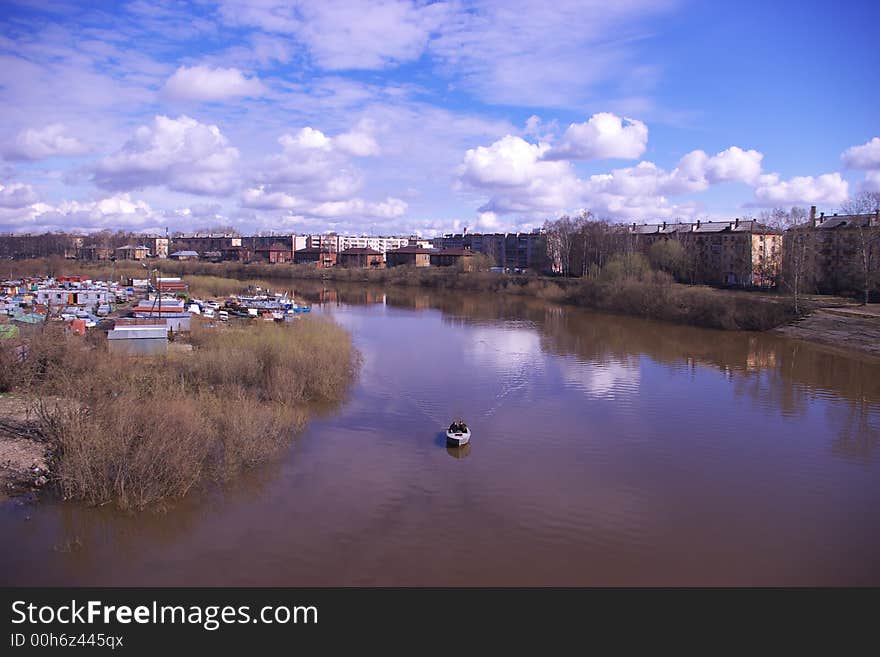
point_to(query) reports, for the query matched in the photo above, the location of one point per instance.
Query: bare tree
(867, 237)
(560, 238)
(798, 250)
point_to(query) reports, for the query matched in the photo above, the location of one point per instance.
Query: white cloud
(358, 142)
(871, 183)
(827, 189)
(203, 83)
(258, 199)
(347, 34)
(36, 144)
(515, 52)
(180, 154)
(520, 179)
(387, 209)
(510, 161)
(604, 136)
(114, 212)
(734, 164)
(313, 177)
(488, 222)
(16, 195)
(520, 52)
(865, 156)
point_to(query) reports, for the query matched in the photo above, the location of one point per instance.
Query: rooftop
(357, 250)
(412, 250)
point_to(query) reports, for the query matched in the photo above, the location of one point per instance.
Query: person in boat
(458, 426)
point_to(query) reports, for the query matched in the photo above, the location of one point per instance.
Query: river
(606, 450)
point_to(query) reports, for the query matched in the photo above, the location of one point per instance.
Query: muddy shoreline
(24, 458)
(847, 330)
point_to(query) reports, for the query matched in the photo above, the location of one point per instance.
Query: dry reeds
(135, 431)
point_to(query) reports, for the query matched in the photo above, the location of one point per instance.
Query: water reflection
(610, 450)
(458, 452)
(601, 356)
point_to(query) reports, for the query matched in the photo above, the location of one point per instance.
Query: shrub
(135, 431)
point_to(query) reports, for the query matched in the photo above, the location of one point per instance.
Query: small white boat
(458, 434)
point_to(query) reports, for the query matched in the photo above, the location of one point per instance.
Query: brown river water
(606, 450)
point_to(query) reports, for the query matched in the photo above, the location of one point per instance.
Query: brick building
(408, 256)
(361, 257)
(319, 257)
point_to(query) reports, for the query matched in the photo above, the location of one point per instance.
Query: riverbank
(24, 458)
(841, 328)
(640, 293)
(135, 432)
(627, 286)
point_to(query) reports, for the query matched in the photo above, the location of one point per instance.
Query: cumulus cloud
(258, 198)
(510, 161)
(180, 154)
(827, 189)
(113, 212)
(313, 176)
(40, 143)
(734, 164)
(387, 209)
(16, 195)
(520, 178)
(864, 156)
(203, 83)
(517, 177)
(604, 136)
(871, 183)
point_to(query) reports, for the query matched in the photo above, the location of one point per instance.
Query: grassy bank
(136, 431)
(627, 285)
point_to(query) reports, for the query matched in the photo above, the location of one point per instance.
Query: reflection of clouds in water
(504, 348)
(612, 378)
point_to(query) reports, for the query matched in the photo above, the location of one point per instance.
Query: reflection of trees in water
(87, 535)
(776, 373)
(859, 423)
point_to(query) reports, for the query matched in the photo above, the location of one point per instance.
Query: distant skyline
(403, 116)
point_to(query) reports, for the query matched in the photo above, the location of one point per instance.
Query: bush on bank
(134, 431)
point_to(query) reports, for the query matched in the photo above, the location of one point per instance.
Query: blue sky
(406, 116)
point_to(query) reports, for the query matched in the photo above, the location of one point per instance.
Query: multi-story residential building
(95, 252)
(140, 252)
(202, 243)
(738, 252)
(846, 251)
(157, 245)
(291, 242)
(338, 243)
(418, 241)
(510, 250)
